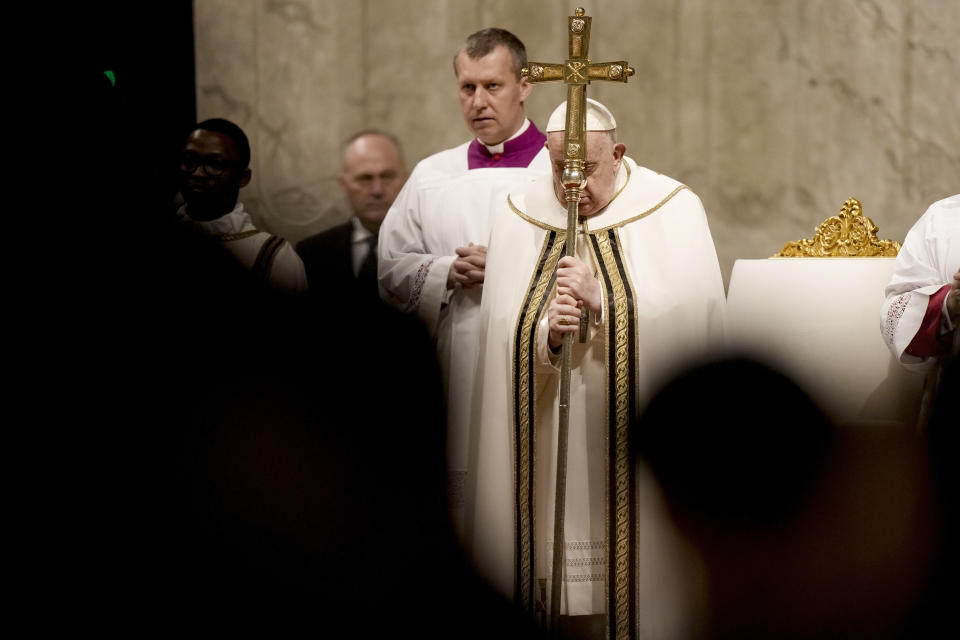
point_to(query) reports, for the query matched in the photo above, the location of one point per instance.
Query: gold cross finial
(577, 72)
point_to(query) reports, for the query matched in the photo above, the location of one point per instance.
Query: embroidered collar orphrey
(624, 178)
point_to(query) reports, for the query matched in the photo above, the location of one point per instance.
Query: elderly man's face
(604, 156)
(372, 176)
(491, 96)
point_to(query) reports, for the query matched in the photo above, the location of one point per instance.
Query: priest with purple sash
(433, 241)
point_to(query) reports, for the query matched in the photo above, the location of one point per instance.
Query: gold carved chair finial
(848, 234)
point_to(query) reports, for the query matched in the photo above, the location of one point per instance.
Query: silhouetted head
(733, 443)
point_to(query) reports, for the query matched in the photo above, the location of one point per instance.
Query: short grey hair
(484, 41)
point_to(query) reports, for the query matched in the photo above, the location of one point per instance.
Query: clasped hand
(576, 289)
(468, 269)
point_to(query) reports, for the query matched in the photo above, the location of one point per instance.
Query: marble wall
(773, 111)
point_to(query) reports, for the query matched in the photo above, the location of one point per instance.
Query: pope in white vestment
(661, 295)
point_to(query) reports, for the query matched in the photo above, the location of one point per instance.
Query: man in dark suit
(343, 259)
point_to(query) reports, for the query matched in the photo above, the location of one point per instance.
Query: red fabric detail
(926, 343)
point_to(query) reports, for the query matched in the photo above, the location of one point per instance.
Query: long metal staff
(576, 73)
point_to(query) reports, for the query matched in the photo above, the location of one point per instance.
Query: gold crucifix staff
(576, 73)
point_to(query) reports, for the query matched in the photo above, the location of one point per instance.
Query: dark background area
(207, 451)
(143, 117)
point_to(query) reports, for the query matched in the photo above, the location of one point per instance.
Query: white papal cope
(663, 302)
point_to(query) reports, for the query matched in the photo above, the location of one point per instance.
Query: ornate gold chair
(849, 234)
(813, 311)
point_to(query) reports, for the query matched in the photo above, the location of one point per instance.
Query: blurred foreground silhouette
(799, 528)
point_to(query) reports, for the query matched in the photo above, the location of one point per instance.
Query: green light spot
(112, 78)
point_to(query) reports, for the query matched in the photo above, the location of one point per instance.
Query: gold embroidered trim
(544, 225)
(537, 223)
(228, 237)
(624, 476)
(629, 287)
(524, 426)
(595, 254)
(645, 213)
(621, 389)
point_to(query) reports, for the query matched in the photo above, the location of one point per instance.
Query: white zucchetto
(599, 117)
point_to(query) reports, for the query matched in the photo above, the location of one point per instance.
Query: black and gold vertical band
(264, 262)
(621, 350)
(524, 418)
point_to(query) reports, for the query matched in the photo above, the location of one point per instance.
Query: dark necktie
(367, 277)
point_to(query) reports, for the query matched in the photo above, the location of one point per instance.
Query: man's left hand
(563, 316)
(575, 280)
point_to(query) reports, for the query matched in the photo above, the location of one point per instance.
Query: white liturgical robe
(277, 261)
(443, 206)
(663, 303)
(927, 261)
